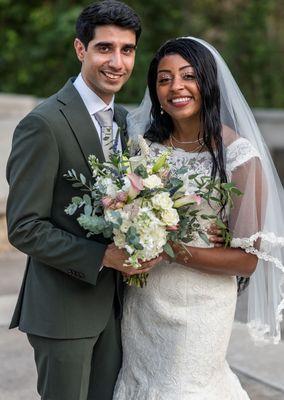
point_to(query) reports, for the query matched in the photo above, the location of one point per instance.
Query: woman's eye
(189, 77)
(164, 79)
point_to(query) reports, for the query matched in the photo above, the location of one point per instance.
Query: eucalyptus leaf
(87, 199)
(221, 224)
(77, 200)
(71, 209)
(236, 191)
(88, 209)
(74, 173)
(204, 237)
(83, 179)
(169, 250)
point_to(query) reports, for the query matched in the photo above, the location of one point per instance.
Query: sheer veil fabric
(257, 219)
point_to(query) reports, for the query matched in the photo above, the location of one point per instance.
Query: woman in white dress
(175, 331)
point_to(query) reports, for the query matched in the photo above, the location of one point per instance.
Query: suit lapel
(80, 122)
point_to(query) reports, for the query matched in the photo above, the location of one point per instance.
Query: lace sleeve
(239, 152)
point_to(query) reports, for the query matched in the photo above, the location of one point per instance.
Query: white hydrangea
(119, 239)
(107, 187)
(111, 189)
(126, 185)
(153, 235)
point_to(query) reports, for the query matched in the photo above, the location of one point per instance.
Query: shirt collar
(91, 100)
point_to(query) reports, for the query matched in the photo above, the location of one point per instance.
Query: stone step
(263, 363)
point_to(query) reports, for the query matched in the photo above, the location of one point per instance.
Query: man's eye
(128, 50)
(104, 49)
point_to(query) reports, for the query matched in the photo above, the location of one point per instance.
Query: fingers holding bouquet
(216, 236)
(119, 259)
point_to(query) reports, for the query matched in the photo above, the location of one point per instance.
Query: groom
(70, 301)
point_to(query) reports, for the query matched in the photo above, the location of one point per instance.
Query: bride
(176, 330)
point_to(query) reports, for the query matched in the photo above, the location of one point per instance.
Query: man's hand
(117, 259)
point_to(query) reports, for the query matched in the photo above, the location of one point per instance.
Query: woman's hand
(215, 235)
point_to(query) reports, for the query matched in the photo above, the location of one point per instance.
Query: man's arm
(31, 172)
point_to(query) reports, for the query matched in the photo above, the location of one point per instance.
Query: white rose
(152, 182)
(162, 201)
(170, 217)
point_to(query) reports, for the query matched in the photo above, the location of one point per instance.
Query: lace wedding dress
(176, 330)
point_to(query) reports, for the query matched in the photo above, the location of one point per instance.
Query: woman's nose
(177, 84)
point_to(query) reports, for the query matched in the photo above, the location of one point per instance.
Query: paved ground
(259, 369)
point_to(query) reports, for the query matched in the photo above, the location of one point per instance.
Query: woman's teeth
(181, 100)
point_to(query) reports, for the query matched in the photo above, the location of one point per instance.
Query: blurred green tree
(37, 55)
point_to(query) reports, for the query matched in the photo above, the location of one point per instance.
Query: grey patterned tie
(105, 119)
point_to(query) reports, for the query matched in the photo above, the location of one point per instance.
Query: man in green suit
(70, 302)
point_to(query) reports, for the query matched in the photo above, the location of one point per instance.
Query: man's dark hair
(107, 12)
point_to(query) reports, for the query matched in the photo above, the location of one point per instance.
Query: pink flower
(121, 196)
(136, 185)
(197, 199)
(172, 228)
(136, 181)
(118, 204)
(107, 202)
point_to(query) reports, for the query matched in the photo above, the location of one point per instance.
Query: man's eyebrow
(131, 45)
(109, 44)
(103, 44)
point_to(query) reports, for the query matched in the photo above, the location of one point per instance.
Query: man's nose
(116, 60)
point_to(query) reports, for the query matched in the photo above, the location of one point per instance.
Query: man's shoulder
(49, 107)
(46, 106)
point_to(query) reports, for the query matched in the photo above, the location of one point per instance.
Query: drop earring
(161, 110)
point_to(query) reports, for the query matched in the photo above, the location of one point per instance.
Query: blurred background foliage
(37, 55)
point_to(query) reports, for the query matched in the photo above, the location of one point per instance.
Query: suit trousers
(78, 369)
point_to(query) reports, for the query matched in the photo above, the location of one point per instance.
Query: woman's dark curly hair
(203, 63)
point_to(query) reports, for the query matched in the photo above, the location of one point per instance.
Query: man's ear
(80, 49)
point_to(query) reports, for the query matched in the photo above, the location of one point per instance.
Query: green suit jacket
(63, 294)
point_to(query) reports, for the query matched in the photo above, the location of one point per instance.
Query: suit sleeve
(31, 173)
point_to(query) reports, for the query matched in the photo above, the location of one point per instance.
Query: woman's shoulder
(232, 139)
(238, 149)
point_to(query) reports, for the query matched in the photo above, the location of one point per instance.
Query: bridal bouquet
(144, 206)
(201, 202)
(128, 201)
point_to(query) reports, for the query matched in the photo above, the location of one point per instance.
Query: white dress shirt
(94, 104)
